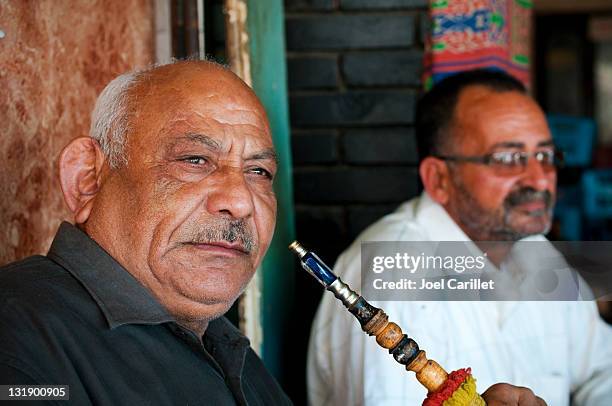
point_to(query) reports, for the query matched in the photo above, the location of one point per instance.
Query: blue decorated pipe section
(314, 265)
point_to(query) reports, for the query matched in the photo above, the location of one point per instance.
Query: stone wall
(55, 57)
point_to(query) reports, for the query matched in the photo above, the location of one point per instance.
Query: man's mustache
(528, 195)
(223, 230)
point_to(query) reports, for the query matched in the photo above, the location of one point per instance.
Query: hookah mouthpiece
(313, 264)
(456, 389)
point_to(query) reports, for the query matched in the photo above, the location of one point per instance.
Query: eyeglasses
(510, 163)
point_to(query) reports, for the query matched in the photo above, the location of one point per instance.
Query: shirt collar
(431, 216)
(122, 298)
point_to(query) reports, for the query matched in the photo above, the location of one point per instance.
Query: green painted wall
(268, 70)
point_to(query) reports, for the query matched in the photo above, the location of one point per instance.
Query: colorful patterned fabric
(470, 34)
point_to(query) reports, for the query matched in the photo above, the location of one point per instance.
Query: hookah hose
(455, 389)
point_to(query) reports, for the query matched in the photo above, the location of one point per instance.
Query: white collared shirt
(560, 350)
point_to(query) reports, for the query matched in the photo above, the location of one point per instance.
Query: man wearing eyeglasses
(488, 167)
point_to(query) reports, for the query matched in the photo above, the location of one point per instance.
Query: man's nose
(229, 194)
(538, 176)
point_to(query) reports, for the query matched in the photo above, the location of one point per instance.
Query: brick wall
(354, 70)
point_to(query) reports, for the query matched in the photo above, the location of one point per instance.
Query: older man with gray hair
(174, 210)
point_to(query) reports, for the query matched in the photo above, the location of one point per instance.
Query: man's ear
(80, 166)
(436, 179)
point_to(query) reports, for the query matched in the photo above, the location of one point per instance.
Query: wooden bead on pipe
(428, 372)
(390, 336)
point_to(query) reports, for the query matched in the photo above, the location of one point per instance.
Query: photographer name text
(439, 284)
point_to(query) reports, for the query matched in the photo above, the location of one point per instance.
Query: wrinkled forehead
(484, 118)
(213, 100)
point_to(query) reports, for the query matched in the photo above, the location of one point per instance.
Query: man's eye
(502, 159)
(194, 160)
(507, 159)
(261, 172)
(547, 156)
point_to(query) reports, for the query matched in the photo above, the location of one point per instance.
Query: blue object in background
(568, 211)
(575, 136)
(597, 194)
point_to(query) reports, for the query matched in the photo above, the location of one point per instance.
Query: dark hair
(435, 109)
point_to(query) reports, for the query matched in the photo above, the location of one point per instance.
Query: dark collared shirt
(77, 318)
